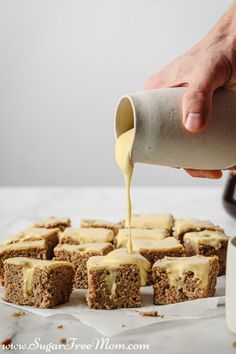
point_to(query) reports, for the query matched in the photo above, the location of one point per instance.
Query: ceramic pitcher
(161, 139)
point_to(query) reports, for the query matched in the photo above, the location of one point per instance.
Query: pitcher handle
(229, 195)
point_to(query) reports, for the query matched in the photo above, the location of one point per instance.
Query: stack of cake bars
(180, 257)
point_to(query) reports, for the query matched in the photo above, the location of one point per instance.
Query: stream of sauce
(175, 266)
(122, 152)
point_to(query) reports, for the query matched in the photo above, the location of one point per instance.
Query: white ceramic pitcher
(161, 139)
(231, 286)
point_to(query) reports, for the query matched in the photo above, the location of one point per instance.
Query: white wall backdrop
(64, 64)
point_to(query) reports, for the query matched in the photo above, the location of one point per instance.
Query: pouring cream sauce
(122, 153)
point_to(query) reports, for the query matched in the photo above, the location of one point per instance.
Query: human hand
(209, 65)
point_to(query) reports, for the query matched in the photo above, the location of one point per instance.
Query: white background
(64, 64)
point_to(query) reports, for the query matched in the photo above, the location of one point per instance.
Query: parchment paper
(111, 322)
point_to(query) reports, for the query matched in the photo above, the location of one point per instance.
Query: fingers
(164, 79)
(212, 174)
(197, 100)
(202, 77)
(215, 174)
(196, 106)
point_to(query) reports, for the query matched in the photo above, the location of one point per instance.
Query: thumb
(196, 107)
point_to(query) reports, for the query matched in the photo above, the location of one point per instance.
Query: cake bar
(50, 236)
(153, 250)
(184, 225)
(94, 223)
(39, 283)
(147, 234)
(114, 280)
(78, 255)
(177, 279)
(76, 236)
(33, 249)
(52, 223)
(152, 221)
(208, 243)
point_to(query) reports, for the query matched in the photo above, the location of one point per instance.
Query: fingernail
(194, 122)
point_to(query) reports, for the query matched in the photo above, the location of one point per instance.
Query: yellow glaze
(84, 247)
(122, 153)
(177, 266)
(31, 234)
(52, 222)
(207, 238)
(151, 234)
(168, 243)
(28, 267)
(183, 225)
(22, 245)
(88, 235)
(152, 221)
(120, 257)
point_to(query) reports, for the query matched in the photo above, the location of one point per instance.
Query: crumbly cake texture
(76, 236)
(34, 249)
(79, 255)
(127, 290)
(50, 236)
(208, 243)
(114, 280)
(184, 225)
(38, 283)
(102, 224)
(52, 222)
(152, 221)
(185, 278)
(147, 234)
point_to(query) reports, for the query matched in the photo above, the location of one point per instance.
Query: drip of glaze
(122, 153)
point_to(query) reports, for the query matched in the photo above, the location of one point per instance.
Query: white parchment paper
(111, 322)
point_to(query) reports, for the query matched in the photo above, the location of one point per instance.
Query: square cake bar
(152, 221)
(114, 280)
(94, 223)
(184, 225)
(76, 236)
(177, 279)
(39, 283)
(208, 243)
(31, 249)
(153, 250)
(52, 223)
(50, 236)
(147, 234)
(78, 255)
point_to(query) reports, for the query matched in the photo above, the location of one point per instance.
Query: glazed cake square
(154, 250)
(39, 283)
(147, 234)
(177, 279)
(102, 224)
(79, 255)
(31, 249)
(50, 236)
(114, 280)
(152, 221)
(52, 223)
(184, 225)
(208, 243)
(76, 236)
